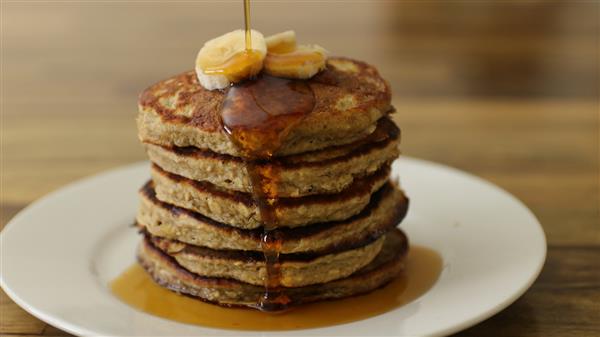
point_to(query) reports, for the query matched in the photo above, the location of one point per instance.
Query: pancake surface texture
(240, 210)
(387, 208)
(321, 172)
(296, 270)
(350, 97)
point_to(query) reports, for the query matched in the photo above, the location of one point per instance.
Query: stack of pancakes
(337, 210)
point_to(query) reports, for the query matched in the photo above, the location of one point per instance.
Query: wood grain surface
(506, 90)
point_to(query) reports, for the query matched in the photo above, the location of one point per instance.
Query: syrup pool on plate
(422, 269)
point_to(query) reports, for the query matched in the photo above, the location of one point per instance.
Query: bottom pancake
(168, 273)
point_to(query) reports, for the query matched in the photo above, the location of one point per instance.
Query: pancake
(228, 292)
(240, 210)
(296, 269)
(386, 209)
(321, 172)
(350, 96)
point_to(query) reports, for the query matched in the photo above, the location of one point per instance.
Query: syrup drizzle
(241, 64)
(258, 115)
(247, 24)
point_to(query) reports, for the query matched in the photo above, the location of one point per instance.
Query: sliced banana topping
(281, 43)
(304, 62)
(225, 60)
(286, 59)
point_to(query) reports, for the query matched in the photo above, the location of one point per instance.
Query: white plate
(59, 254)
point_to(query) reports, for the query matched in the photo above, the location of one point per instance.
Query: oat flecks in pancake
(386, 209)
(239, 209)
(249, 267)
(319, 172)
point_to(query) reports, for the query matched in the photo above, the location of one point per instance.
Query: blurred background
(507, 90)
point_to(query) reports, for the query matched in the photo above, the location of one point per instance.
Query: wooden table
(505, 90)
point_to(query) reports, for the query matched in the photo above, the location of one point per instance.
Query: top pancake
(350, 97)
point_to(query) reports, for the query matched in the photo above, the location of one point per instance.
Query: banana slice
(225, 60)
(281, 43)
(302, 63)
